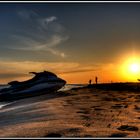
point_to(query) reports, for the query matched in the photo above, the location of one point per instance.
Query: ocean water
(65, 88)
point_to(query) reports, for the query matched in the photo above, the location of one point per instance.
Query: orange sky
(75, 41)
(73, 72)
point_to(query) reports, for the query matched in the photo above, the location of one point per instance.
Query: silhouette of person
(90, 82)
(96, 79)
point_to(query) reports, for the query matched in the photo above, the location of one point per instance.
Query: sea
(65, 88)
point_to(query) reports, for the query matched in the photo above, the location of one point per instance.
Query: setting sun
(134, 68)
(131, 69)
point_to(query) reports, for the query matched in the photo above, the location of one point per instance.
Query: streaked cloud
(45, 21)
(50, 19)
(40, 34)
(15, 70)
(27, 15)
(70, 71)
(12, 75)
(80, 70)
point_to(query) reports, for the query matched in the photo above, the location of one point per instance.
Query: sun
(130, 69)
(134, 68)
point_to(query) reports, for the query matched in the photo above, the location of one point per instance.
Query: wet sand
(83, 112)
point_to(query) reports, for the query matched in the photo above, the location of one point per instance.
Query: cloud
(56, 52)
(15, 70)
(39, 34)
(51, 43)
(50, 19)
(12, 75)
(57, 67)
(28, 44)
(79, 70)
(27, 15)
(55, 40)
(27, 66)
(45, 21)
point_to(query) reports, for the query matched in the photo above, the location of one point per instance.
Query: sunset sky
(77, 41)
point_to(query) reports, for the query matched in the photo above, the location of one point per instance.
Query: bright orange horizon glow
(125, 70)
(130, 68)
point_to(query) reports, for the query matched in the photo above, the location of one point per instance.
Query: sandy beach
(83, 112)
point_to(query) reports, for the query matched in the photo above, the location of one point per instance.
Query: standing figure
(90, 82)
(96, 79)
